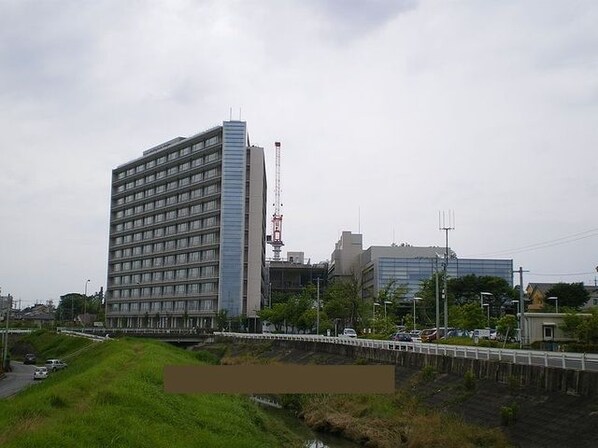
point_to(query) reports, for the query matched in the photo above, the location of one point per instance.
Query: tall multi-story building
(380, 266)
(188, 231)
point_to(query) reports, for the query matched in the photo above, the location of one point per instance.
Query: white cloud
(399, 109)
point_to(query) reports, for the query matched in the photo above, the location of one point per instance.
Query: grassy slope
(112, 396)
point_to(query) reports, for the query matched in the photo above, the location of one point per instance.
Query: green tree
(507, 326)
(343, 302)
(573, 295)
(469, 316)
(583, 328)
(222, 319)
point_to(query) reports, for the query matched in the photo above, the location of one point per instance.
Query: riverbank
(112, 395)
(524, 417)
(401, 419)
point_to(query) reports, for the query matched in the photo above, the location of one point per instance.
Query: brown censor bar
(279, 379)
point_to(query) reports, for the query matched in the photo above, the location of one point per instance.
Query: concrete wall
(548, 379)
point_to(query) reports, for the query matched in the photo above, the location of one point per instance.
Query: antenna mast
(276, 240)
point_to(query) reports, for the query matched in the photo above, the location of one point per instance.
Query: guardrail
(561, 360)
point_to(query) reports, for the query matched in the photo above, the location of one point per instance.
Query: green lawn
(111, 395)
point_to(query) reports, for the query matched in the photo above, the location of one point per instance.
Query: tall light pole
(318, 308)
(482, 294)
(487, 306)
(374, 305)
(415, 299)
(85, 302)
(557, 302)
(386, 302)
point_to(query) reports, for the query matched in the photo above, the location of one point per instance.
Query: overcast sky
(388, 112)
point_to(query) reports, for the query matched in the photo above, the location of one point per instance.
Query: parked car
(30, 358)
(349, 333)
(40, 373)
(401, 337)
(431, 334)
(55, 364)
(459, 333)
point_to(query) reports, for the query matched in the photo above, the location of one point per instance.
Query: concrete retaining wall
(550, 379)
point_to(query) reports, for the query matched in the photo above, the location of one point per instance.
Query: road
(20, 377)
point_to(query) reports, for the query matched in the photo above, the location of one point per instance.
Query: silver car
(55, 364)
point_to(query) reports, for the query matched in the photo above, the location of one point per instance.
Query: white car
(40, 373)
(349, 333)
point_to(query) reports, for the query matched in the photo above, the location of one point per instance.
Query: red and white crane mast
(276, 239)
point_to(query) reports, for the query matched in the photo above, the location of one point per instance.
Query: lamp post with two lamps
(487, 306)
(386, 302)
(482, 294)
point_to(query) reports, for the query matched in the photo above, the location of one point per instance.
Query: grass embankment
(46, 345)
(112, 396)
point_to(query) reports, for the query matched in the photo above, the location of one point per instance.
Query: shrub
(470, 380)
(508, 414)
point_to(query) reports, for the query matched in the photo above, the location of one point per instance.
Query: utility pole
(437, 296)
(522, 330)
(318, 308)
(5, 354)
(446, 226)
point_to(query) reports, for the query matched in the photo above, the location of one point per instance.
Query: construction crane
(276, 238)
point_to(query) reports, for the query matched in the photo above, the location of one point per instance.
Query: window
(158, 232)
(171, 200)
(181, 274)
(139, 195)
(173, 155)
(197, 177)
(147, 263)
(172, 185)
(137, 250)
(150, 164)
(148, 220)
(170, 245)
(194, 273)
(139, 209)
(161, 160)
(150, 178)
(172, 170)
(170, 230)
(148, 234)
(548, 332)
(185, 151)
(171, 215)
(182, 243)
(183, 227)
(169, 260)
(184, 166)
(160, 189)
(149, 206)
(198, 146)
(181, 290)
(157, 276)
(158, 261)
(139, 182)
(183, 212)
(169, 275)
(213, 140)
(158, 247)
(156, 292)
(181, 258)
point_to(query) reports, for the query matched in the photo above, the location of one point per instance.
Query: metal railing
(561, 360)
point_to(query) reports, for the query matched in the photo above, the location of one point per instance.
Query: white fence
(573, 361)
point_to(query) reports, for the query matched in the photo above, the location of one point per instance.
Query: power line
(545, 244)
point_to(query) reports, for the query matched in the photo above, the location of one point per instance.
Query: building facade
(405, 265)
(187, 232)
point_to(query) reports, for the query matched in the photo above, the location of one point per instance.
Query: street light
(487, 305)
(374, 305)
(386, 302)
(85, 303)
(415, 299)
(482, 294)
(557, 302)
